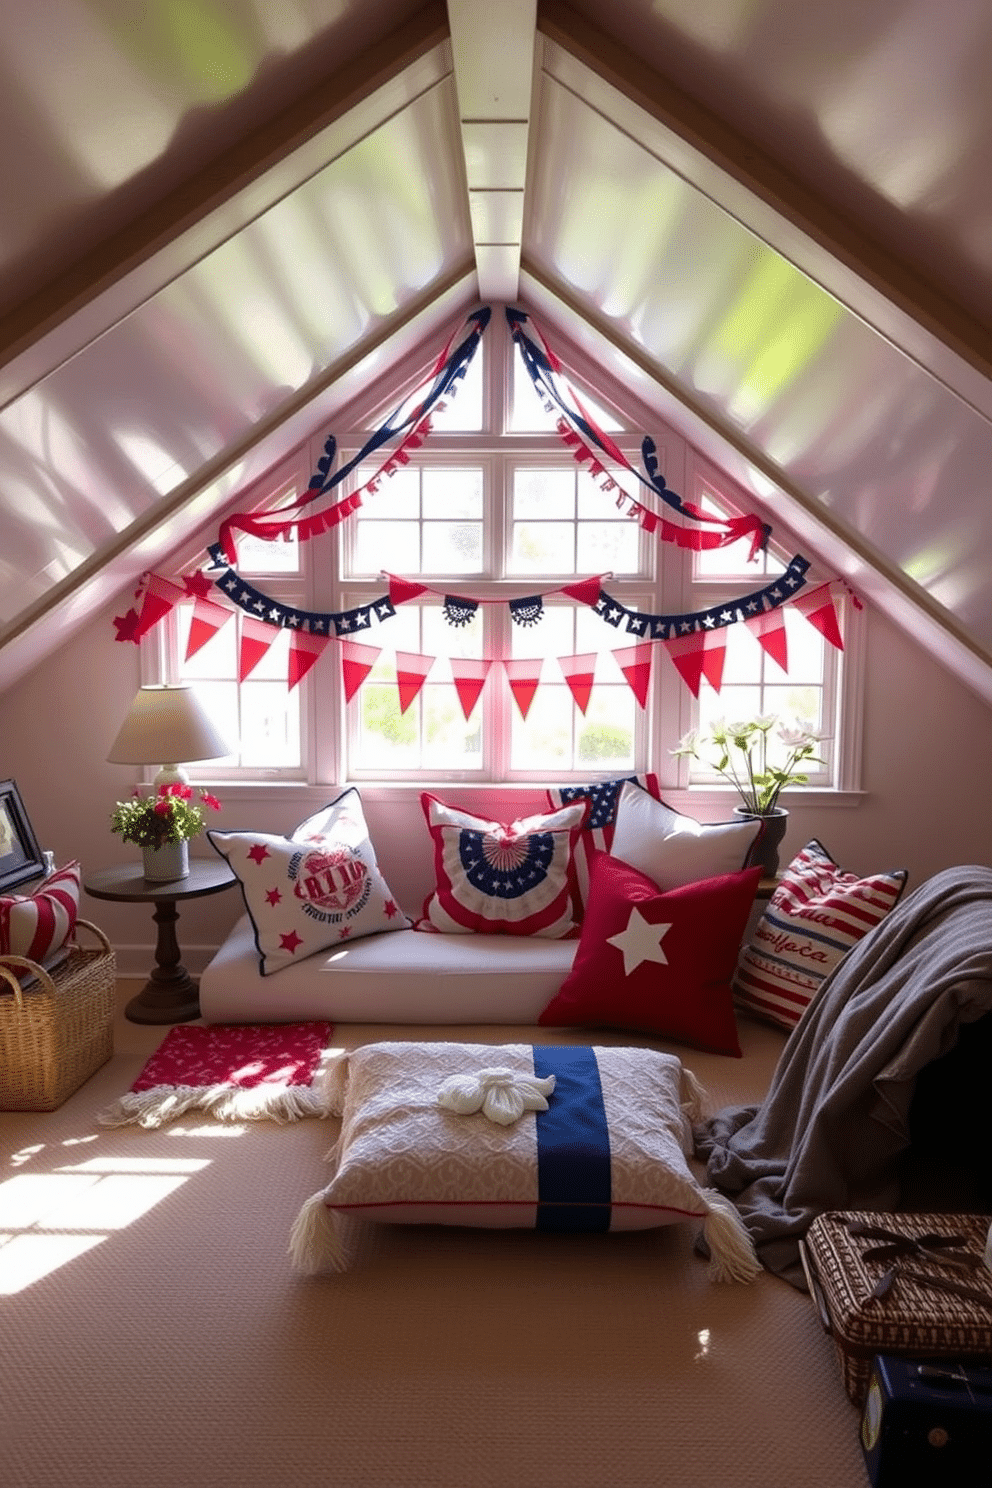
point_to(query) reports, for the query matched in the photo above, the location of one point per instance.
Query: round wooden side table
(170, 995)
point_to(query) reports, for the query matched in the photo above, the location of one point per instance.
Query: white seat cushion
(406, 976)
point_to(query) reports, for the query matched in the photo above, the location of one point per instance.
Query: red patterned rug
(236, 1072)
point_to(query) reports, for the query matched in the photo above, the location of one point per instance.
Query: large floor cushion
(406, 976)
(565, 1138)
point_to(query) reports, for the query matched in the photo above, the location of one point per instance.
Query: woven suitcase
(57, 1030)
(909, 1285)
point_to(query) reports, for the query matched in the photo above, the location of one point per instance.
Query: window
(484, 527)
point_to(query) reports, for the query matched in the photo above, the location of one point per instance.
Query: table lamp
(166, 723)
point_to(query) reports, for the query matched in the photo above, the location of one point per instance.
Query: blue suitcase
(927, 1422)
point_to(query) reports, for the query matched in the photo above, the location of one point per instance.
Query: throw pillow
(675, 849)
(597, 1140)
(597, 832)
(817, 912)
(310, 891)
(658, 962)
(38, 925)
(497, 878)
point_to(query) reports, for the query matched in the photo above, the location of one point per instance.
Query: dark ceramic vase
(764, 853)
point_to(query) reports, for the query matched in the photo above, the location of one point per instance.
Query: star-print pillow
(658, 962)
(308, 892)
(496, 878)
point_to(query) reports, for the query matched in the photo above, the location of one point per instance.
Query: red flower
(210, 800)
(163, 808)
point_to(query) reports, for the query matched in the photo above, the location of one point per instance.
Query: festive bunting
(411, 674)
(469, 677)
(356, 663)
(697, 656)
(768, 628)
(523, 675)
(256, 638)
(208, 618)
(579, 672)
(819, 609)
(161, 595)
(304, 651)
(635, 663)
(578, 432)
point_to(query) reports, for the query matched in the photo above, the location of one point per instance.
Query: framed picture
(20, 855)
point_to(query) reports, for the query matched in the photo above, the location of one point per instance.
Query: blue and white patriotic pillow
(597, 1141)
(309, 892)
(600, 825)
(496, 878)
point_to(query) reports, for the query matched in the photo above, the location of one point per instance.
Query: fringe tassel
(322, 1239)
(332, 1079)
(694, 1095)
(732, 1253)
(164, 1103)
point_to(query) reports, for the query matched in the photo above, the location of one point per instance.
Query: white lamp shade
(164, 726)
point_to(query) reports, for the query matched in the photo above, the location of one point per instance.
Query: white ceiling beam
(492, 45)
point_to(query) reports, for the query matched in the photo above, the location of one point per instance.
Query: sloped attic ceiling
(222, 217)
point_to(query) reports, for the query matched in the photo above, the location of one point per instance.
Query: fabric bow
(503, 1095)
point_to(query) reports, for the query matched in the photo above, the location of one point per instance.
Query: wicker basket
(57, 1031)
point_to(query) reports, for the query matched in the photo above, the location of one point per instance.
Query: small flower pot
(169, 861)
(764, 852)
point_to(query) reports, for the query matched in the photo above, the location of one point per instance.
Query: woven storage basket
(947, 1315)
(57, 1031)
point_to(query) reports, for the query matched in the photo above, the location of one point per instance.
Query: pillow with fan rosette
(503, 878)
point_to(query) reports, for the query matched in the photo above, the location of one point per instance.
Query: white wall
(927, 800)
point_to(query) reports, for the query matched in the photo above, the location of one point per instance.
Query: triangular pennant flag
(523, 675)
(818, 608)
(411, 674)
(579, 672)
(160, 597)
(304, 650)
(635, 663)
(586, 592)
(400, 590)
(470, 678)
(697, 656)
(206, 622)
(256, 638)
(769, 629)
(356, 663)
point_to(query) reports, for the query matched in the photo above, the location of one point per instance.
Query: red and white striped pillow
(817, 912)
(38, 925)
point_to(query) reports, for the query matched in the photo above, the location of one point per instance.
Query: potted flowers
(161, 825)
(740, 753)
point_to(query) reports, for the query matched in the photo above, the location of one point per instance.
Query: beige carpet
(153, 1335)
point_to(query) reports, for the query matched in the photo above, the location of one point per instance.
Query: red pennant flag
(160, 597)
(579, 672)
(523, 675)
(635, 663)
(586, 592)
(411, 674)
(206, 622)
(356, 663)
(400, 590)
(256, 638)
(818, 608)
(769, 630)
(697, 656)
(304, 650)
(470, 678)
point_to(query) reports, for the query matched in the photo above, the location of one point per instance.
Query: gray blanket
(836, 1117)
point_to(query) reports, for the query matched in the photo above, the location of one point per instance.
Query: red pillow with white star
(309, 892)
(659, 962)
